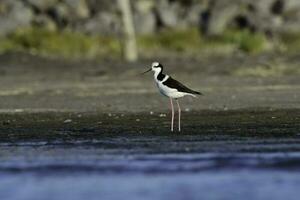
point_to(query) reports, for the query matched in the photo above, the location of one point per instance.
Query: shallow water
(219, 155)
(189, 167)
(224, 184)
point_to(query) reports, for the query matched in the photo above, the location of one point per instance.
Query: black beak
(147, 71)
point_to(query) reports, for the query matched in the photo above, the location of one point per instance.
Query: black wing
(172, 83)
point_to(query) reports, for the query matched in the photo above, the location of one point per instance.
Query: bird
(171, 88)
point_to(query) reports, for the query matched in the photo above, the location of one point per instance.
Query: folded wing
(172, 83)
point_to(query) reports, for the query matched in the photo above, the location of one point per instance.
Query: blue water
(224, 184)
(221, 170)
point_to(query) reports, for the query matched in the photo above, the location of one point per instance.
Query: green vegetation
(193, 41)
(64, 43)
(245, 40)
(291, 41)
(188, 42)
(179, 41)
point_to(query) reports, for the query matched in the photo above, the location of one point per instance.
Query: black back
(172, 83)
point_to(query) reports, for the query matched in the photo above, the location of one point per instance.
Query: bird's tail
(198, 93)
(195, 93)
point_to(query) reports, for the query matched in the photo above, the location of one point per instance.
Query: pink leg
(172, 107)
(179, 114)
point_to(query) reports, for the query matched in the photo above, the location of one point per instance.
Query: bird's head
(156, 67)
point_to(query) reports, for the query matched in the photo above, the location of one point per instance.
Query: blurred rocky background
(92, 28)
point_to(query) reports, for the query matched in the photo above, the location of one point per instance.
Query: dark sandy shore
(74, 130)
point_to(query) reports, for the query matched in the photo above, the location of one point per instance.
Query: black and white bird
(171, 88)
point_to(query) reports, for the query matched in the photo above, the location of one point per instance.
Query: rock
(96, 6)
(291, 15)
(105, 23)
(162, 115)
(275, 16)
(69, 12)
(193, 15)
(78, 9)
(277, 7)
(262, 7)
(220, 15)
(45, 22)
(291, 25)
(167, 13)
(144, 17)
(290, 5)
(13, 16)
(174, 14)
(67, 121)
(60, 14)
(3, 8)
(42, 5)
(102, 16)
(265, 23)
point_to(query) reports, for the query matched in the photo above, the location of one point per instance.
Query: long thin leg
(179, 114)
(172, 107)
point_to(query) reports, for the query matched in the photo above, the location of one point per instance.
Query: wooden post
(129, 40)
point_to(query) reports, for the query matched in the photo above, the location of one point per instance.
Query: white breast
(169, 92)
